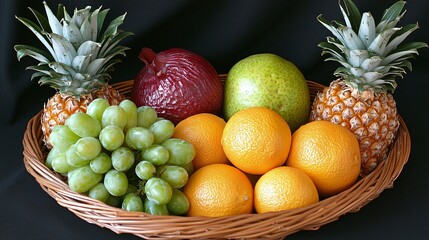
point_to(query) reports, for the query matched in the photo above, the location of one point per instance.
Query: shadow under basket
(273, 225)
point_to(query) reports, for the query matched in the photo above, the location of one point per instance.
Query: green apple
(271, 81)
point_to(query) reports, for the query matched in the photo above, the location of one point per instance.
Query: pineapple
(371, 57)
(77, 62)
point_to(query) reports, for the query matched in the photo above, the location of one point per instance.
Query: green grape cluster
(125, 156)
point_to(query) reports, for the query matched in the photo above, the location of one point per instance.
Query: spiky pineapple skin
(60, 106)
(373, 120)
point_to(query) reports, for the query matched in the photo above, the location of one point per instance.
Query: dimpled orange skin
(204, 132)
(328, 153)
(284, 188)
(256, 140)
(219, 190)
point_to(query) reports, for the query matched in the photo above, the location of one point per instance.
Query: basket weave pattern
(273, 225)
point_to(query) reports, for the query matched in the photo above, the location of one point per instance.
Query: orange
(204, 132)
(219, 190)
(284, 188)
(328, 153)
(256, 140)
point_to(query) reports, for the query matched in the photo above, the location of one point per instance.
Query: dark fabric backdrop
(223, 32)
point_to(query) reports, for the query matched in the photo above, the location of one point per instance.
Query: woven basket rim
(268, 225)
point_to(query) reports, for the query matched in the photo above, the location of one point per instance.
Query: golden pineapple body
(61, 106)
(372, 117)
(371, 56)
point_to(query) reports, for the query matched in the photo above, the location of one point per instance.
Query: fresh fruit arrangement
(125, 156)
(182, 143)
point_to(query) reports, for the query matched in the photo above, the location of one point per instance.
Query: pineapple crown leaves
(78, 55)
(371, 55)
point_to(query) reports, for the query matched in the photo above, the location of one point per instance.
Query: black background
(223, 32)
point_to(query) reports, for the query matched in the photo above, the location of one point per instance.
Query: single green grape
(83, 125)
(139, 138)
(99, 192)
(131, 110)
(162, 130)
(146, 116)
(111, 137)
(96, 108)
(181, 151)
(179, 203)
(101, 164)
(132, 203)
(158, 190)
(52, 153)
(176, 176)
(62, 137)
(114, 116)
(122, 158)
(82, 179)
(156, 154)
(145, 170)
(88, 147)
(60, 165)
(116, 182)
(74, 159)
(152, 208)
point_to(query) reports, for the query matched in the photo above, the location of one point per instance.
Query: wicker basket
(272, 225)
